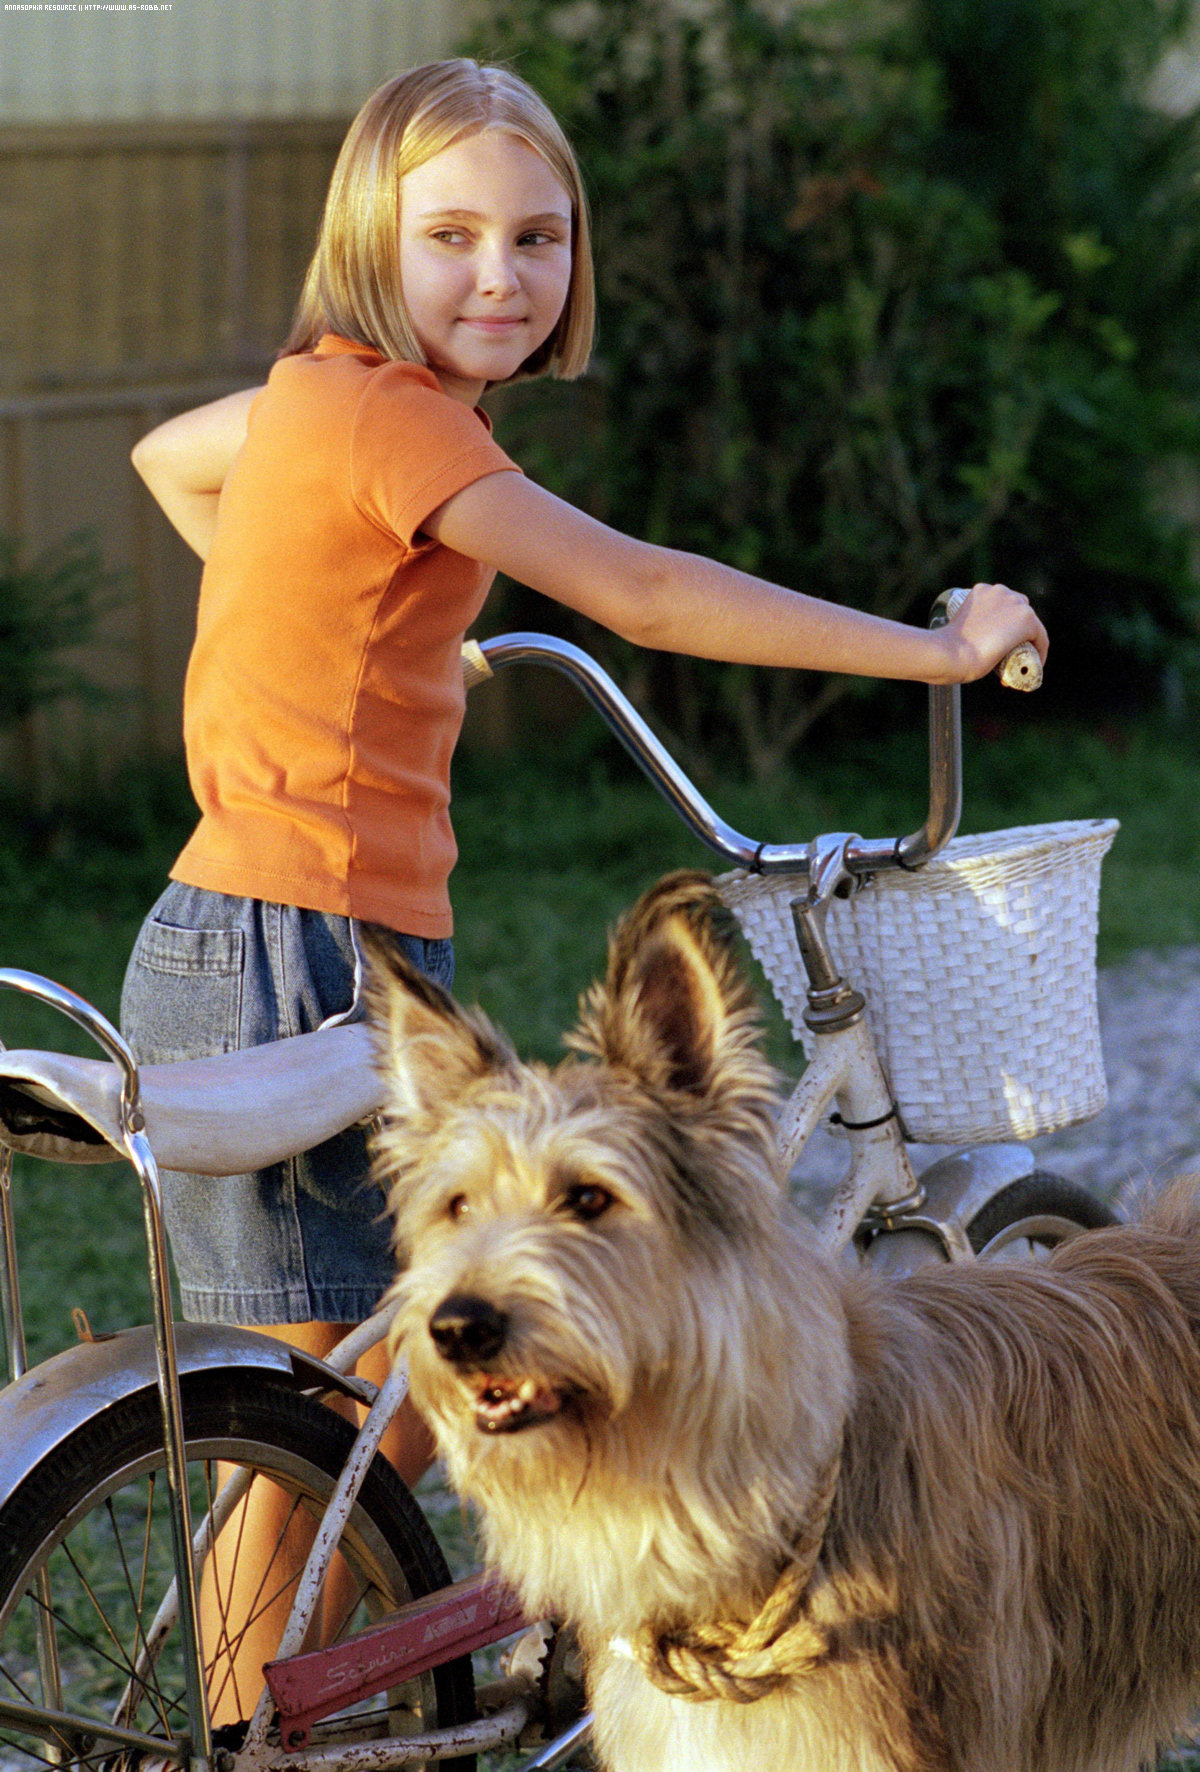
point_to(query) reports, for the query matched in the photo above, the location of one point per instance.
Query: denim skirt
(307, 1240)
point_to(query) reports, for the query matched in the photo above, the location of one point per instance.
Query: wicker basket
(979, 972)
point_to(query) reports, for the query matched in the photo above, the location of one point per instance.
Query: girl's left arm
(185, 460)
(676, 602)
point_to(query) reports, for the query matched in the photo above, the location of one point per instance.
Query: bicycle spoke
(87, 1554)
(336, 1631)
(257, 1605)
(74, 1635)
(66, 1746)
(22, 1692)
(19, 1690)
(140, 1655)
(123, 1661)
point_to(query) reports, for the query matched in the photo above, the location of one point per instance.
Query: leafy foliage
(893, 296)
(48, 607)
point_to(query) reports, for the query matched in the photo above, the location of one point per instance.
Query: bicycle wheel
(1031, 1215)
(89, 1529)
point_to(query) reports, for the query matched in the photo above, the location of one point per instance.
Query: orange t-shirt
(324, 693)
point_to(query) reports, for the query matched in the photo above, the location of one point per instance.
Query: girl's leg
(212, 973)
(247, 1586)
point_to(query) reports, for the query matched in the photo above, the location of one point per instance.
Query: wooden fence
(145, 270)
(146, 254)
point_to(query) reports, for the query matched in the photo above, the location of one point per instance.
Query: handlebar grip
(475, 667)
(1022, 668)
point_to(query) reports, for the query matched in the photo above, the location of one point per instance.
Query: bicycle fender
(958, 1186)
(41, 1409)
(933, 1225)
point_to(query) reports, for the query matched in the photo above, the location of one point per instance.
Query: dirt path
(1150, 1032)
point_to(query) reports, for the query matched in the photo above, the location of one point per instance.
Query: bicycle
(111, 1672)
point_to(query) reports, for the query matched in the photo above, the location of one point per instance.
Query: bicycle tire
(91, 1515)
(1033, 1214)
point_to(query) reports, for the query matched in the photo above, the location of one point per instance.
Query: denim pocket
(183, 992)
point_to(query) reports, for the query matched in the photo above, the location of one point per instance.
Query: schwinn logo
(442, 1627)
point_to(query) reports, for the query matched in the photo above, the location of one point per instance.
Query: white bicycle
(945, 992)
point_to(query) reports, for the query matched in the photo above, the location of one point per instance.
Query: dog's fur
(802, 1516)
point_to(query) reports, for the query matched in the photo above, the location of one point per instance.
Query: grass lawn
(553, 847)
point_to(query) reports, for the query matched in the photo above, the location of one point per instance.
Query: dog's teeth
(502, 1405)
(502, 1401)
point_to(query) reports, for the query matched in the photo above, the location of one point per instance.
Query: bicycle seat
(214, 1116)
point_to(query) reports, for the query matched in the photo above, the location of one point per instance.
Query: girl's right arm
(185, 460)
(662, 598)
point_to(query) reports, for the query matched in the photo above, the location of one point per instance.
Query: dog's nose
(467, 1330)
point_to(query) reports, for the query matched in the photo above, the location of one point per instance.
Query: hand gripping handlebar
(1021, 668)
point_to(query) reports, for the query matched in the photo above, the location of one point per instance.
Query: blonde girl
(351, 515)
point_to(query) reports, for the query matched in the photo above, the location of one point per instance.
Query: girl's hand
(986, 627)
(184, 463)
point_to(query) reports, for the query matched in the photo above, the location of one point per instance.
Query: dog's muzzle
(467, 1330)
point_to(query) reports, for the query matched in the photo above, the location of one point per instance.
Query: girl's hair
(353, 283)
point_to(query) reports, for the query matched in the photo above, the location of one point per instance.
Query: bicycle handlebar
(863, 856)
(1021, 669)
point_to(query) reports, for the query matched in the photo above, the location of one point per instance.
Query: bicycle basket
(979, 972)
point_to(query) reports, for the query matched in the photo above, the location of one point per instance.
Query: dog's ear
(674, 1007)
(428, 1049)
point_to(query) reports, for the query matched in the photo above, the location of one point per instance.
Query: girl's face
(485, 258)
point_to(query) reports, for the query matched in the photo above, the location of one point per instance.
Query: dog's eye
(459, 1206)
(588, 1200)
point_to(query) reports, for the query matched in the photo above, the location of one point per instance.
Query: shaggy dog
(804, 1518)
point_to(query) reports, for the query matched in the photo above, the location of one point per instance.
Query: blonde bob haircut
(353, 283)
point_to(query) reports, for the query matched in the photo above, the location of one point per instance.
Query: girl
(351, 515)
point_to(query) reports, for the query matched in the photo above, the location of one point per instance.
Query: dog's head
(577, 1243)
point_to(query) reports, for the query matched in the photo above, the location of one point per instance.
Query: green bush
(49, 605)
(893, 296)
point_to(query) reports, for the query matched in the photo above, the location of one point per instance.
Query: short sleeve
(413, 447)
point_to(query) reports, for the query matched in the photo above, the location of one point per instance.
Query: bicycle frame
(879, 1190)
